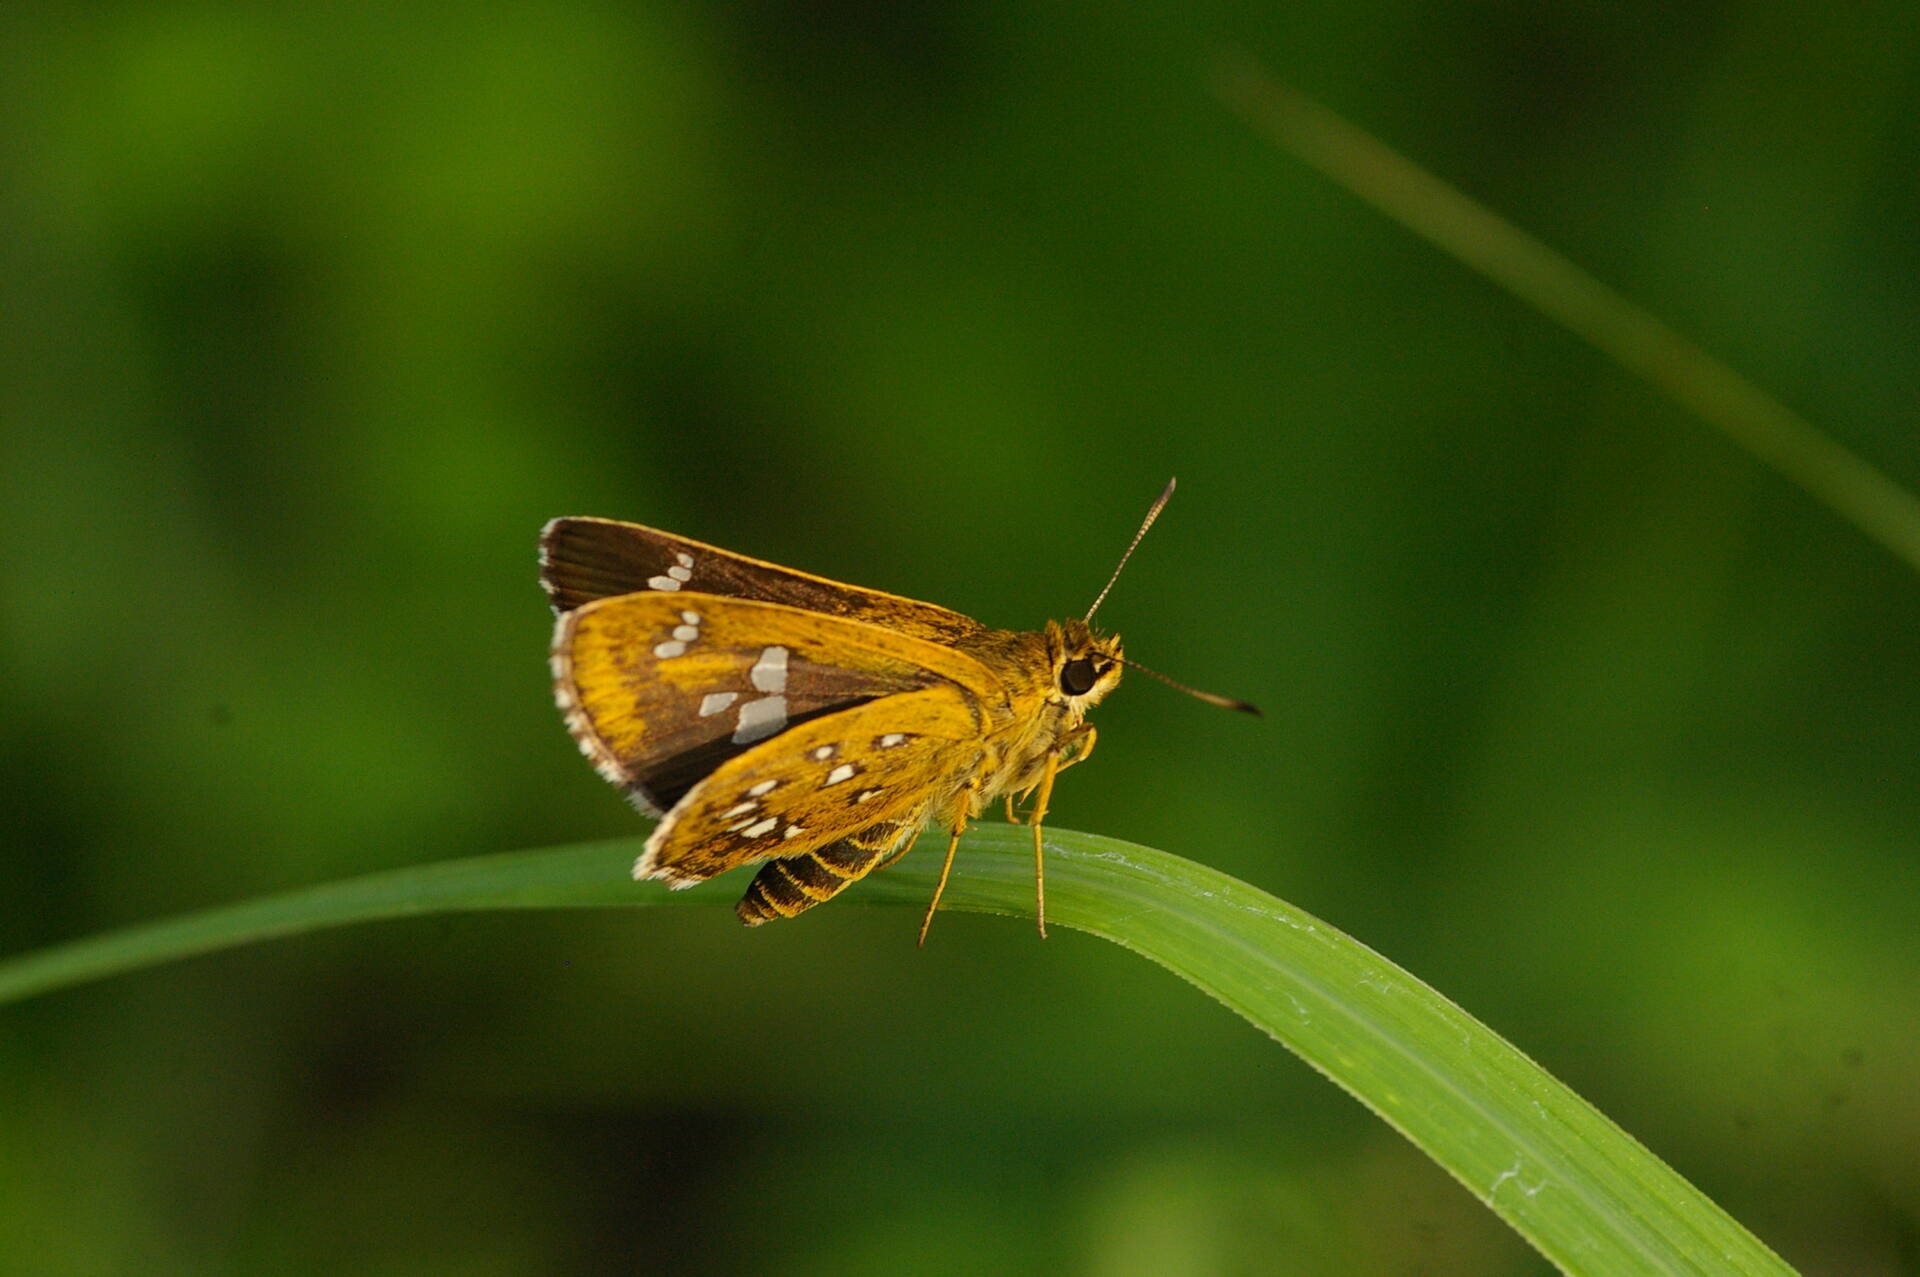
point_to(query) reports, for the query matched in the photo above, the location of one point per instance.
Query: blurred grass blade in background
(1557, 287)
(1582, 1191)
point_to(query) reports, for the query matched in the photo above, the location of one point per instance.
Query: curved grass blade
(1573, 1184)
(1558, 288)
(588, 874)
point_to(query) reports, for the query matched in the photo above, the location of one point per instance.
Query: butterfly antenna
(1153, 513)
(1211, 698)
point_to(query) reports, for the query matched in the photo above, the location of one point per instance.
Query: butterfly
(768, 716)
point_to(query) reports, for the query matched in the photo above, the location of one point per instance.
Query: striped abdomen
(793, 884)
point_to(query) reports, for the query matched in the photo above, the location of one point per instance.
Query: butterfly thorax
(1052, 678)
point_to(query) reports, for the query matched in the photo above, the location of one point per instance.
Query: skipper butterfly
(774, 717)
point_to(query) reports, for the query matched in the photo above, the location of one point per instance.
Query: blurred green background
(312, 315)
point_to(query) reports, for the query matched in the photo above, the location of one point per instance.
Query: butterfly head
(1086, 665)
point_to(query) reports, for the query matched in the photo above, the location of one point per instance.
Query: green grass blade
(1573, 1184)
(1558, 288)
(584, 875)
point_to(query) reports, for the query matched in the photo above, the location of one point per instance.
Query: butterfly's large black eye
(1078, 676)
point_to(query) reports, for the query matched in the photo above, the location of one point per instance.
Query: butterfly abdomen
(794, 884)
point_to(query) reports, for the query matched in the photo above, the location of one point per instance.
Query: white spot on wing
(714, 702)
(684, 559)
(665, 650)
(738, 809)
(764, 827)
(769, 673)
(840, 773)
(760, 719)
(764, 787)
(822, 753)
(886, 742)
(663, 583)
(793, 831)
(865, 794)
(680, 574)
(685, 634)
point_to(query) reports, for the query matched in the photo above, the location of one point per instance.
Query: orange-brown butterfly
(769, 716)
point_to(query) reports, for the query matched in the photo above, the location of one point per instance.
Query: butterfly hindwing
(882, 763)
(662, 688)
(584, 559)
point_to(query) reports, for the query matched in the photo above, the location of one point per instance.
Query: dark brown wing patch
(584, 559)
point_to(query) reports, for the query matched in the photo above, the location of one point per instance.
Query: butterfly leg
(1085, 733)
(940, 888)
(905, 846)
(1057, 762)
(794, 884)
(1044, 790)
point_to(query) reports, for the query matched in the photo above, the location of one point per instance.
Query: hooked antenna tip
(1211, 698)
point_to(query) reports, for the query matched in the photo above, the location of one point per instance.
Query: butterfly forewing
(586, 559)
(663, 687)
(818, 782)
